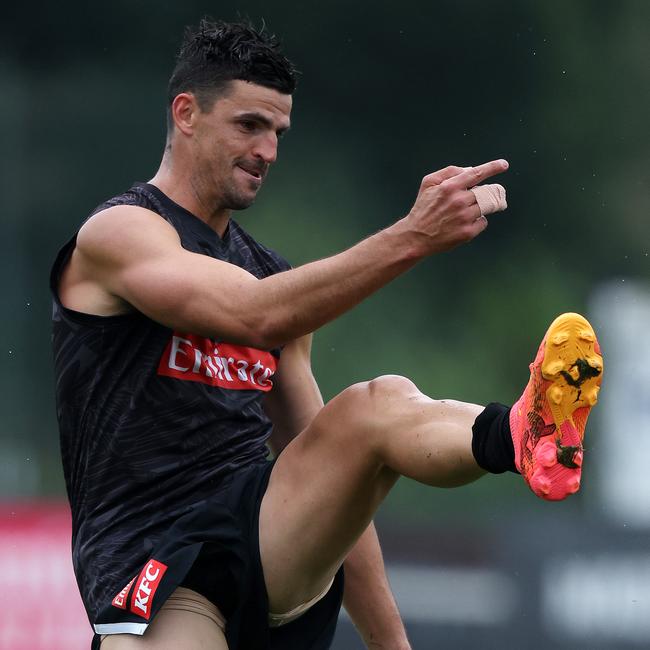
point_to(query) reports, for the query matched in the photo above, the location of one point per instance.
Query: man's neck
(181, 189)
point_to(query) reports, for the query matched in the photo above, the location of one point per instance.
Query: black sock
(491, 440)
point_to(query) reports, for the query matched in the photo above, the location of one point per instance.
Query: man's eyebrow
(262, 119)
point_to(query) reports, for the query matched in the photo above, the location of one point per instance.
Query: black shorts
(214, 550)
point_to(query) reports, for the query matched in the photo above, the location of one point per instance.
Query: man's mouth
(255, 172)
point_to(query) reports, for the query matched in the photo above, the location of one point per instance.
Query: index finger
(475, 175)
(441, 175)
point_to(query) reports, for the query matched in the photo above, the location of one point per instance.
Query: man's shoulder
(120, 230)
(135, 196)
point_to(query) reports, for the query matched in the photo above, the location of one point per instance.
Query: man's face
(237, 140)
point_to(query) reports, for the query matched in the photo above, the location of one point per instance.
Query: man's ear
(184, 110)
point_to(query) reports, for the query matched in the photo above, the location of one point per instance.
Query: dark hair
(214, 53)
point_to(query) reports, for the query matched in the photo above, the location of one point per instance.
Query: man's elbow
(250, 328)
(266, 332)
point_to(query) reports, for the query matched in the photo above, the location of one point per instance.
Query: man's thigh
(323, 492)
(172, 629)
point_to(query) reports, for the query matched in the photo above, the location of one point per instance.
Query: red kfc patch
(145, 588)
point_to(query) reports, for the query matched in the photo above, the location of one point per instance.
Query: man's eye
(248, 125)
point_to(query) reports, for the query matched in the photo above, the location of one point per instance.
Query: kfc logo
(194, 358)
(120, 599)
(146, 586)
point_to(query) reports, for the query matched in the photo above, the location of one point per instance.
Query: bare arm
(135, 258)
(295, 399)
(292, 404)
(368, 598)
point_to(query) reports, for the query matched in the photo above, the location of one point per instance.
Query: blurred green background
(388, 93)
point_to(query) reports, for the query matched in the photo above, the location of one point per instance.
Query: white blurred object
(621, 316)
(604, 597)
(453, 596)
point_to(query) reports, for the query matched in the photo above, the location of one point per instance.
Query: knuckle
(456, 201)
(446, 187)
(426, 181)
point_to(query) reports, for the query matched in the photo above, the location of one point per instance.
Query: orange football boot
(548, 422)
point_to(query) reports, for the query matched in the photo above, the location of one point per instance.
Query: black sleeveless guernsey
(152, 421)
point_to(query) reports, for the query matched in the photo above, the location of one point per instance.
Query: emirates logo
(236, 367)
(120, 600)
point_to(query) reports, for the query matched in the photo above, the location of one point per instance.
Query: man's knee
(376, 395)
(386, 389)
(367, 411)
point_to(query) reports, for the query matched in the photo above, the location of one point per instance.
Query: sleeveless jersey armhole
(62, 258)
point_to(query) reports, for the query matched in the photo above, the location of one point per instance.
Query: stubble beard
(228, 196)
(234, 199)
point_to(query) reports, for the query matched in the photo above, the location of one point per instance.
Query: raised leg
(328, 483)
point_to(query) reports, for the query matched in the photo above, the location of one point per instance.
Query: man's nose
(266, 148)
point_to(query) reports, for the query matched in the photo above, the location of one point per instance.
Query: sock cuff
(492, 441)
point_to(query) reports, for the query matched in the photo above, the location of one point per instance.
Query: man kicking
(182, 346)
